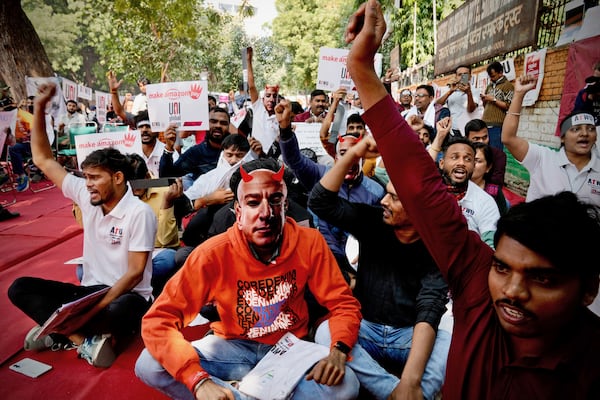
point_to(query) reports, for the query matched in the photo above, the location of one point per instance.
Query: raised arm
(114, 86)
(40, 145)
(251, 84)
(517, 146)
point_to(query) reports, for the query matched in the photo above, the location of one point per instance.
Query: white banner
(333, 74)
(69, 89)
(57, 106)
(126, 142)
(308, 135)
(509, 68)
(184, 104)
(534, 65)
(84, 92)
(102, 101)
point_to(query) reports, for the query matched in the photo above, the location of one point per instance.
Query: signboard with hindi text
(184, 104)
(333, 74)
(126, 142)
(481, 29)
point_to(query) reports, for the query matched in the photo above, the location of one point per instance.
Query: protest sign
(57, 106)
(534, 66)
(184, 104)
(125, 141)
(69, 89)
(84, 92)
(333, 74)
(102, 101)
(308, 135)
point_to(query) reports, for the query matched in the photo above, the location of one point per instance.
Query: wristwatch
(343, 347)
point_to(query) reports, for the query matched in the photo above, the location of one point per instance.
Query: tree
(23, 53)
(302, 27)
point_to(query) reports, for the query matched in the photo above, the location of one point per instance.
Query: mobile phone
(30, 367)
(464, 79)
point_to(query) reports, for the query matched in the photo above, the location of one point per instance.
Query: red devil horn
(278, 176)
(246, 177)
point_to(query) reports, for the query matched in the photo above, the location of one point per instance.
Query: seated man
(256, 273)
(119, 232)
(521, 326)
(400, 289)
(356, 187)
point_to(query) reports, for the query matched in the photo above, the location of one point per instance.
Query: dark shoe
(3, 179)
(6, 215)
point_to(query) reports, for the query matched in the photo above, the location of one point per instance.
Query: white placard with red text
(184, 104)
(333, 74)
(534, 65)
(126, 142)
(69, 89)
(103, 99)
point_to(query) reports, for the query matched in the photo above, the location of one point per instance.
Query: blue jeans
(390, 346)
(495, 135)
(227, 360)
(18, 153)
(372, 376)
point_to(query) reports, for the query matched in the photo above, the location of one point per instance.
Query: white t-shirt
(153, 162)
(551, 172)
(265, 127)
(140, 103)
(457, 103)
(480, 210)
(108, 239)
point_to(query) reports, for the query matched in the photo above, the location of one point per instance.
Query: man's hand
(219, 196)
(525, 83)
(170, 137)
(113, 83)
(46, 92)
(366, 148)
(329, 371)
(249, 54)
(339, 94)
(365, 30)
(175, 191)
(256, 146)
(406, 390)
(211, 391)
(283, 111)
(415, 122)
(443, 127)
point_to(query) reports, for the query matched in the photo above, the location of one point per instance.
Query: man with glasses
(426, 108)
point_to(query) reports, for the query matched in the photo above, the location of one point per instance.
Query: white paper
(126, 142)
(308, 135)
(332, 73)
(278, 373)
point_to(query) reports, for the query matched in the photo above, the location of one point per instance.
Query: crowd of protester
(452, 290)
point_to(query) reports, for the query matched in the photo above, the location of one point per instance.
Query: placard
(333, 74)
(184, 104)
(84, 92)
(308, 135)
(534, 65)
(69, 89)
(126, 142)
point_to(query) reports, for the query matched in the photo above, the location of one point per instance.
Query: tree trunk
(23, 54)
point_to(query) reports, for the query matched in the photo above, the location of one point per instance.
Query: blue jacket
(362, 190)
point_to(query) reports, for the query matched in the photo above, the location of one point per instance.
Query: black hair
(111, 160)
(317, 92)
(297, 107)
(496, 67)
(143, 80)
(487, 154)
(355, 119)
(213, 98)
(429, 89)
(218, 109)
(560, 228)
(71, 101)
(142, 116)
(140, 169)
(462, 66)
(474, 125)
(457, 140)
(236, 142)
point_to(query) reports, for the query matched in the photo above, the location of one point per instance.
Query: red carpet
(37, 244)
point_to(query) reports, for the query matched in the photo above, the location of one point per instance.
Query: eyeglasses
(421, 95)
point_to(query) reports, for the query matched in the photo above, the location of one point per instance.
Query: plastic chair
(114, 127)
